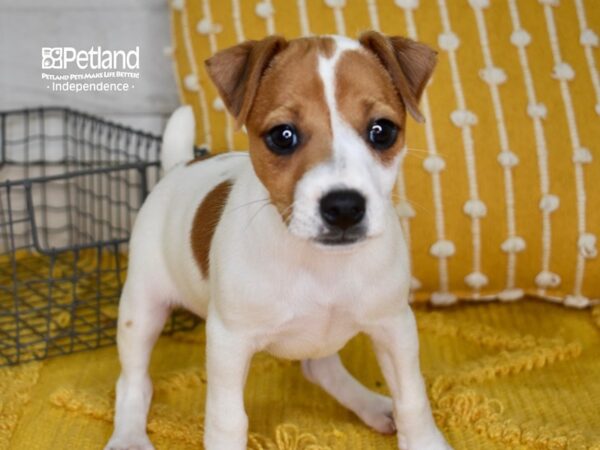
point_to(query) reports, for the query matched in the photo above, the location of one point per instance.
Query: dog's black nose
(342, 209)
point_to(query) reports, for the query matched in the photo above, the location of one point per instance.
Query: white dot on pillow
(475, 208)
(218, 104)
(191, 82)
(577, 301)
(443, 248)
(549, 203)
(537, 110)
(405, 210)
(520, 38)
(550, 2)
(205, 26)
(547, 279)
(587, 245)
(448, 41)
(177, 4)
(510, 295)
(479, 3)
(563, 71)
(463, 117)
(335, 3)
(582, 156)
(434, 164)
(588, 38)
(407, 4)
(476, 280)
(443, 298)
(508, 159)
(493, 75)
(264, 9)
(513, 244)
(415, 284)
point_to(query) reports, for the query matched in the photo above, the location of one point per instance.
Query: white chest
(320, 333)
(310, 319)
(300, 311)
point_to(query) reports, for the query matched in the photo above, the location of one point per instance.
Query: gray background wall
(28, 25)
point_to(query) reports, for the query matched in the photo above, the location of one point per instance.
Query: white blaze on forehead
(348, 144)
(327, 73)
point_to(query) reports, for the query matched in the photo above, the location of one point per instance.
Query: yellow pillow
(498, 193)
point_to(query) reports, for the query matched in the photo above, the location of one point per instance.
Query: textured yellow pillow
(498, 193)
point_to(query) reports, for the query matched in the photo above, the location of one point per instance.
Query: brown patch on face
(128, 323)
(205, 222)
(364, 93)
(291, 92)
(200, 158)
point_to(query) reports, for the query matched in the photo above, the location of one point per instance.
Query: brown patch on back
(128, 323)
(365, 92)
(205, 222)
(291, 91)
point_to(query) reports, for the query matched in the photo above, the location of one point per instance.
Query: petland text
(95, 58)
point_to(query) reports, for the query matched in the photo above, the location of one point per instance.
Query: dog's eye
(382, 134)
(282, 139)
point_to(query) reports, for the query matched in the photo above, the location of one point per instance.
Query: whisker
(288, 209)
(257, 211)
(397, 198)
(415, 155)
(249, 203)
(414, 149)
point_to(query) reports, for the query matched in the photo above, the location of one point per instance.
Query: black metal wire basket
(70, 186)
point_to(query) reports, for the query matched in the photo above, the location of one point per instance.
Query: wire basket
(70, 186)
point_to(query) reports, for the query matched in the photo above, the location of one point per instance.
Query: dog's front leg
(228, 356)
(397, 346)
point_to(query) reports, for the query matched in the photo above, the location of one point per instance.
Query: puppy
(292, 248)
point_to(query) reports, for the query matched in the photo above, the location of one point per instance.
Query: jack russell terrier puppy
(292, 248)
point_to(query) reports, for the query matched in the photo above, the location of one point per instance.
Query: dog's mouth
(333, 237)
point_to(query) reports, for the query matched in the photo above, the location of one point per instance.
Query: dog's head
(325, 118)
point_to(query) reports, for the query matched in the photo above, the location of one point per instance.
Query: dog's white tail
(178, 139)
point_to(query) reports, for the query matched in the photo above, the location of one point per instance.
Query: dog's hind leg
(141, 318)
(373, 409)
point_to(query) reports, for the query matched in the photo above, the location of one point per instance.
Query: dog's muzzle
(343, 212)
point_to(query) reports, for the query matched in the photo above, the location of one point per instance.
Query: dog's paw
(382, 422)
(433, 442)
(441, 445)
(378, 414)
(140, 442)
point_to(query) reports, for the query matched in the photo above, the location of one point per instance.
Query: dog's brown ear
(409, 63)
(236, 72)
